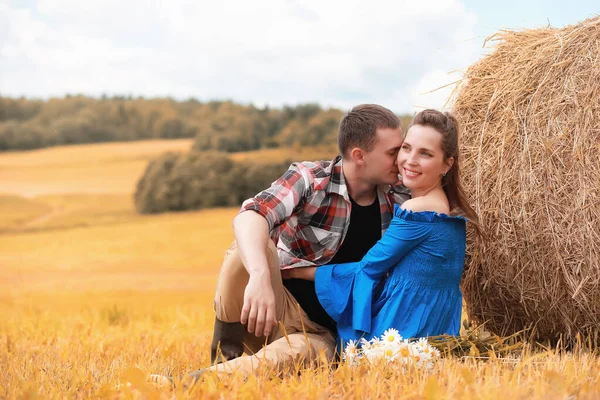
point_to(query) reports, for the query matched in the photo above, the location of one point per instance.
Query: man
(316, 213)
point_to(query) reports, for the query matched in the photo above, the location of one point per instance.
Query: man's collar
(337, 176)
(400, 189)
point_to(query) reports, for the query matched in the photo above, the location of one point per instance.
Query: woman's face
(421, 159)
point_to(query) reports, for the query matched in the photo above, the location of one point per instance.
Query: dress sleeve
(346, 290)
(400, 238)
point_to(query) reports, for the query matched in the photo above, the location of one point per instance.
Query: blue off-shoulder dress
(424, 253)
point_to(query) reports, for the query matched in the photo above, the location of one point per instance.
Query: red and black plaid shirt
(308, 211)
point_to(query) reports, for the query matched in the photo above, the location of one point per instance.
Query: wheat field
(94, 297)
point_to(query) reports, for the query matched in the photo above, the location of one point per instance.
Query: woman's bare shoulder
(425, 203)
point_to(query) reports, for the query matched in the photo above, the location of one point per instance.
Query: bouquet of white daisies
(391, 347)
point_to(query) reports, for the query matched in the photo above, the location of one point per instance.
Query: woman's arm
(401, 237)
(306, 273)
(346, 290)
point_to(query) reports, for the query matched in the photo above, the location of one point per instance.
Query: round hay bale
(530, 120)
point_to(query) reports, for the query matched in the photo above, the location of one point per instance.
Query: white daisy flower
(351, 351)
(425, 357)
(417, 359)
(364, 344)
(391, 335)
(404, 350)
(391, 350)
(374, 353)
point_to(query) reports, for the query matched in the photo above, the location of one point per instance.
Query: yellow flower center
(390, 338)
(389, 352)
(404, 352)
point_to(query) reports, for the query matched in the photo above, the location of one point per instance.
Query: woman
(420, 257)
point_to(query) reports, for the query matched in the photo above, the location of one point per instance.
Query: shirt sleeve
(281, 199)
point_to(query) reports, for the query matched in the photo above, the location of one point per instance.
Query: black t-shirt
(364, 231)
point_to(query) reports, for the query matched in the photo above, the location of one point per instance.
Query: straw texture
(530, 122)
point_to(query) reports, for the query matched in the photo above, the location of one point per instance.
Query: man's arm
(251, 232)
(271, 208)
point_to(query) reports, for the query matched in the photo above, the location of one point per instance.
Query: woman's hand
(306, 273)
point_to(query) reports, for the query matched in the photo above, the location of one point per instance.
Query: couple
(339, 248)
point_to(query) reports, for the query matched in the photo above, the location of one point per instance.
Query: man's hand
(259, 305)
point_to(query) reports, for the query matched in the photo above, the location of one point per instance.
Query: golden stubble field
(94, 297)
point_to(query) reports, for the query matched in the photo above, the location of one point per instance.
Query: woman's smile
(410, 173)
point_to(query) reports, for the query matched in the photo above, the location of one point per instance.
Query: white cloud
(266, 52)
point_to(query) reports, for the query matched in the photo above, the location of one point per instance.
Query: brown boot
(228, 341)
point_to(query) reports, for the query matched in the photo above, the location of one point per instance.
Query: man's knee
(231, 283)
(232, 267)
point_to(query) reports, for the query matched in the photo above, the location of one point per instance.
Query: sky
(264, 52)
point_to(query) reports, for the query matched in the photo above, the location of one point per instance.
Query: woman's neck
(435, 190)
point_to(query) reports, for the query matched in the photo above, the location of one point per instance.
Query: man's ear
(357, 155)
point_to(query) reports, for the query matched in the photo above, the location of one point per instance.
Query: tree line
(195, 180)
(216, 125)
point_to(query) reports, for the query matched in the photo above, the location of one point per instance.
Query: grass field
(93, 295)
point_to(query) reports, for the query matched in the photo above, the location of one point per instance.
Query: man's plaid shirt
(308, 211)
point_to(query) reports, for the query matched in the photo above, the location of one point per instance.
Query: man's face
(380, 164)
